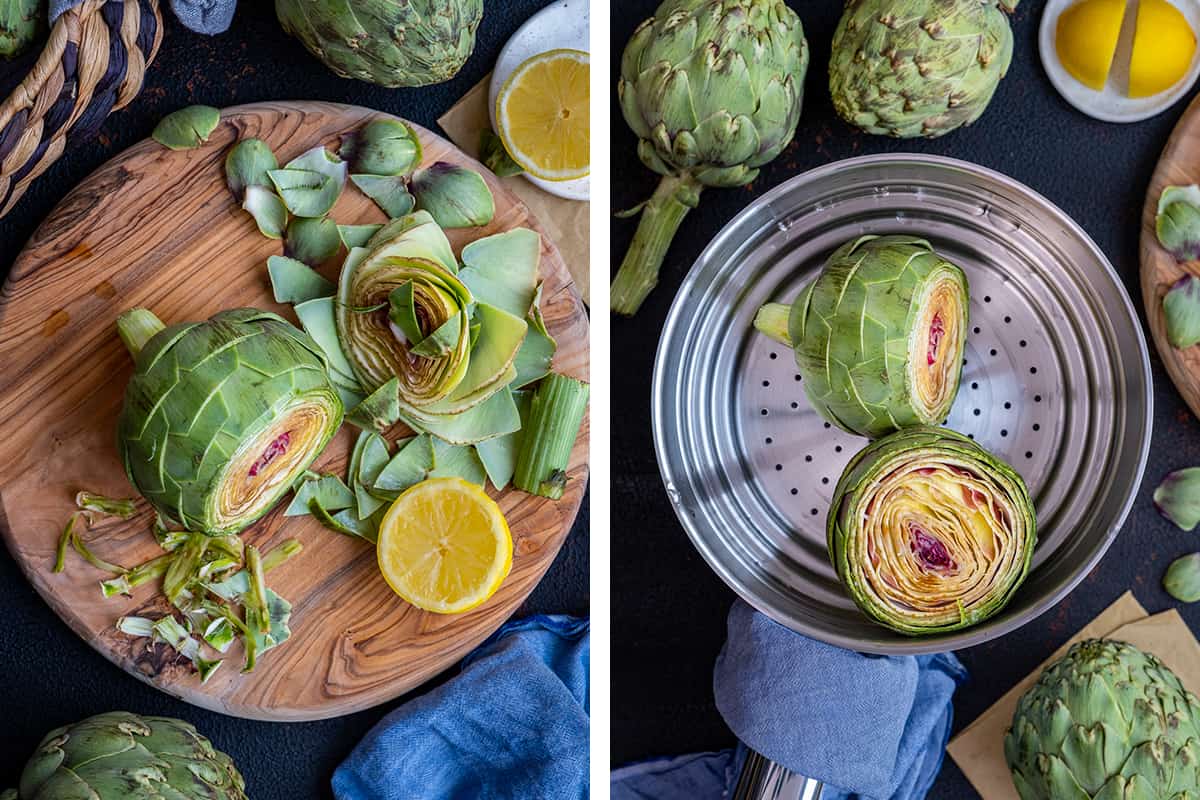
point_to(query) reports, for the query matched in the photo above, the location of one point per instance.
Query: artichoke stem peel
(662, 215)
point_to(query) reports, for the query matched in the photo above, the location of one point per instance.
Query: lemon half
(543, 115)
(444, 546)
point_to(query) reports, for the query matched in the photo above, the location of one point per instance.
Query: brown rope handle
(93, 64)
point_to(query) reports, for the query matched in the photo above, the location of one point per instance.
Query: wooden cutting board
(159, 229)
(1178, 166)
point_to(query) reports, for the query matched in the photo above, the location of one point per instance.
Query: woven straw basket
(93, 64)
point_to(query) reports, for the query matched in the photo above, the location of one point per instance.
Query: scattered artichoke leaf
(411, 465)
(350, 397)
(99, 504)
(219, 634)
(318, 159)
(555, 416)
(1178, 498)
(169, 630)
(333, 493)
(366, 504)
(372, 460)
(458, 461)
(64, 540)
(390, 193)
(317, 319)
(187, 128)
(499, 455)
(247, 164)
(500, 337)
(418, 235)
(185, 567)
(402, 311)
(455, 196)
(347, 522)
(87, 555)
(1181, 309)
(312, 240)
(1182, 580)
(129, 580)
(294, 281)
(269, 212)
(305, 192)
(494, 155)
(535, 357)
(233, 588)
(382, 147)
(495, 416)
(1178, 222)
(136, 626)
(167, 538)
(439, 343)
(357, 235)
(502, 270)
(380, 410)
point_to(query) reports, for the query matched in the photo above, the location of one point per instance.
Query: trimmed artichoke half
(910, 68)
(1107, 720)
(388, 43)
(119, 755)
(879, 335)
(929, 532)
(221, 417)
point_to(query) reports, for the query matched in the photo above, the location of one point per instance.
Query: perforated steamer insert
(1056, 381)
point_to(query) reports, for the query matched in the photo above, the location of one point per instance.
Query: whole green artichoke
(221, 417)
(878, 335)
(713, 90)
(387, 42)
(1106, 721)
(123, 756)
(910, 68)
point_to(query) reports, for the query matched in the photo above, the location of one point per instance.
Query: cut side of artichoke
(940, 332)
(929, 532)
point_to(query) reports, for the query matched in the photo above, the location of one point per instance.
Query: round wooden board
(159, 229)
(1179, 165)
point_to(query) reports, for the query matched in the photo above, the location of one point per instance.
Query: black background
(49, 676)
(668, 607)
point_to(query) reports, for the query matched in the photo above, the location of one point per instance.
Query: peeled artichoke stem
(661, 216)
(772, 320)
(136, 327)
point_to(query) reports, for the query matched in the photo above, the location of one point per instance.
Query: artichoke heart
(220, 417)
(1107, 720)
(879, 335)
(929, 532)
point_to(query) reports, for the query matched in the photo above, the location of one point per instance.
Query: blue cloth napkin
(201, 16)
(513, 724)
(871, 727)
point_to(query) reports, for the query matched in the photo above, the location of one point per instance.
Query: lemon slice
(543, 115)
(1163, 47)
(444, 546)
(1086, 39)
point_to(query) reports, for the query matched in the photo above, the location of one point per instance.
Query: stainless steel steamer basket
(1056, 381)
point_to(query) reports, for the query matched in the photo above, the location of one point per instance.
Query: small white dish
(563, 25)
(1111, 104)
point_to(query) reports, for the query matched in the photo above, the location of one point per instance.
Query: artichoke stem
(136, 327)
(638, 275)
(772, 320)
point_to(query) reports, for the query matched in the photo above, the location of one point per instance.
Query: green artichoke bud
(20, 23)
(1178, 498)
(119, 756)
(879, 335)
(713, 90)
(1178, 221)
(456, 197)
(412, 43)
(1105, 721)
(918, 67)
(1181, 312)
(929, 532)
(382, 147)
(1182, 580)
(221, 417)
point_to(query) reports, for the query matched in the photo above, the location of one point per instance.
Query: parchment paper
(565, 221)
(979, 749)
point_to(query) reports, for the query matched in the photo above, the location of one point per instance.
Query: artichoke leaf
(414, 235)
(248, 164)
(390, 193)
(456, 197)
(381, 409)
(1181, 311)
(382, 147)
(317, 319)
(443, 340)
(330, 489)
(411, 465)
(1182, 580)
(495, 416)
(187, 128)
(268, 211)
(312, 241)
(357, 236)
(1178, 498)
(305, 193)
(111, 506)
(499, 455)
(294, 281)
(169, 630)
(502, 270)
(458, 461)
(495, 157)
(1177, 223)
(347, 522)
(500, 337)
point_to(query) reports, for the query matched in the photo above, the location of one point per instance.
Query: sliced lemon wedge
(543, 115)
(1086, 39)
(1163, 47)
(444, 546)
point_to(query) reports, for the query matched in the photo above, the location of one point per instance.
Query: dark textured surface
(51, 677)
(668, 608)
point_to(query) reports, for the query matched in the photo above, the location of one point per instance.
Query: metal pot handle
(763, 779)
